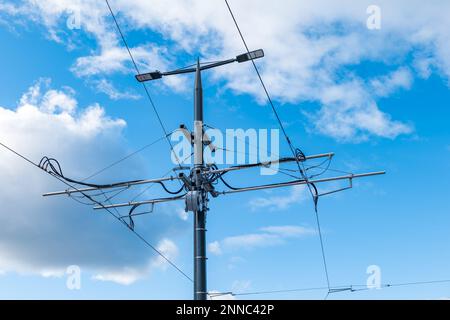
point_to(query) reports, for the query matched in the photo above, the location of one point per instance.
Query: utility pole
(197, 196)
(198, 182)
(200, 291)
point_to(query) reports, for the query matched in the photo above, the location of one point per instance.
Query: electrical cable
(259, 164)
(124, 158)
(143, 84)
(151, 185)
(350, 288)
(294, 151)
(109, 211)
(53, 167)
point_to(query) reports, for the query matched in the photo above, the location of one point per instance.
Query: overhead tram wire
(145, 89)
(61, 179)
(143, 84)
(349, 288)
(296, 152)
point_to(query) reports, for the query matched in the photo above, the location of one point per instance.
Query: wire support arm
(139, 203)
(118, 185)
(301, 182)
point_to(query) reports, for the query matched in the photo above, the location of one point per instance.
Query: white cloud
(214, 248)
(112, 92)
(386, 85)
(312, 49)
(234, 262)
(296, 195)
(129, 275)
(109, 61)
(8, 8)
(169, 249)
(252, 240)
(241, 285)
(424, 66)
(289, 231)
(183, 214)
(125, 277)
(52, 273)
(45, 235)
(267, 237)
(349, 113)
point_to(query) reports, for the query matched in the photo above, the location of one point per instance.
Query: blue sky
(377, 98)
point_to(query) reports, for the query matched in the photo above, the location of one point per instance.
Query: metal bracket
(338, 190)
(187, 183)
(190, 136)
(187, 133)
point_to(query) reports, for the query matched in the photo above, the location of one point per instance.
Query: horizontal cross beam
(271, 186)
(302, 182)
(121, 185)
(138, 203)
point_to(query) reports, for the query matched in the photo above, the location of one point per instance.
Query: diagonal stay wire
(143, 84)
(322, 248)
(108, 200)
(300, 166)
(269, 99)
(115, 193)
(101, 205)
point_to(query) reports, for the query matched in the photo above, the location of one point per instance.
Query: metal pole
(200, 290)
(116, 185)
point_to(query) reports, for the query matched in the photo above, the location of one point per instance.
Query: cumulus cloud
(45, 235)
(386, 85)
(312, 50)
(106, 87)
(288, 231)
(349, 113)
(128, 275)
(214, 248)
(267, 237)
